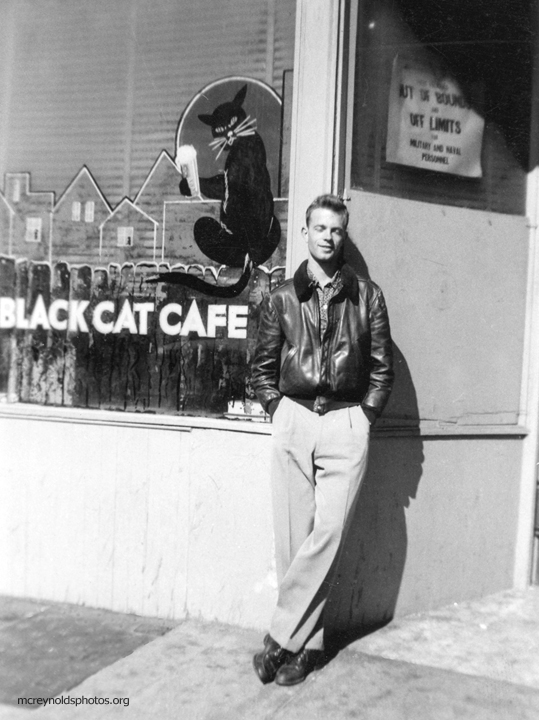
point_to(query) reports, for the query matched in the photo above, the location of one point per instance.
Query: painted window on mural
(442, 102)
(89, 211)
(125, 236)
(144, 290)
(33, 230)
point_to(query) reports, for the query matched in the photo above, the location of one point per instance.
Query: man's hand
(184, 187)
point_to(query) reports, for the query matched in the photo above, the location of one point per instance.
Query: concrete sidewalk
(476, 660)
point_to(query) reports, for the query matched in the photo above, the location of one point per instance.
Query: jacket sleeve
(381, 369)
(267, 358)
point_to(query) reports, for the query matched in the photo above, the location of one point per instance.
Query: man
(323, 371)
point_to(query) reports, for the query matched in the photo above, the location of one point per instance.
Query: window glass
(125, 236)
(89, 211)
(99, 101)
(104, 83)
(33, 229)
(478, 53)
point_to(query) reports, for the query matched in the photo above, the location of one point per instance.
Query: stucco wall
(161, 520)
(455, 282)
(436, 524)
(172, 520)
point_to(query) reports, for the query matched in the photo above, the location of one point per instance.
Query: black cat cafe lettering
(248, 232)
(75, 316)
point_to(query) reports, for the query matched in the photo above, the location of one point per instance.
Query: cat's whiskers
(218, 144)
(244, 123)
(223, 146)
(243, 133)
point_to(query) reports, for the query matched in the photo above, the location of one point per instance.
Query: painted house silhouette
(31, 222)
(77, 218)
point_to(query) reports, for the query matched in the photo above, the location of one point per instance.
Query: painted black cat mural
(248, 232)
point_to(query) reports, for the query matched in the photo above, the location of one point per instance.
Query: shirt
(325, 294)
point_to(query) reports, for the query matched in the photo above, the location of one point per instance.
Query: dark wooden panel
(80, 290)
(7, 290)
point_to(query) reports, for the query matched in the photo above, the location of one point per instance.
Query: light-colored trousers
(318, 464)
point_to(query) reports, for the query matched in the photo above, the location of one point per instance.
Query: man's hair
(328, 202)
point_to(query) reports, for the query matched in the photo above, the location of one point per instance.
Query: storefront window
(442, 102)
(122, 124)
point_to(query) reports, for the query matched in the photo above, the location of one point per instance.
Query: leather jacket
(351, 362)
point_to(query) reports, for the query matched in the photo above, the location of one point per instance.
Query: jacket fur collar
(304, 287)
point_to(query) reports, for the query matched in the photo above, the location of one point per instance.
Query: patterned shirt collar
(334, 283)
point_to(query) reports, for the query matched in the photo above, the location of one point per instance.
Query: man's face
(325, 235)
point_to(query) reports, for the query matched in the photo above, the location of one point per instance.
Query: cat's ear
(206, 119)
(240, 96)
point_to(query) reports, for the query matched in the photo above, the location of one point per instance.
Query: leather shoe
(269, 660)
(297, 669)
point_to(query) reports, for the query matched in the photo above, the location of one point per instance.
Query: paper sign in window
(431, 123)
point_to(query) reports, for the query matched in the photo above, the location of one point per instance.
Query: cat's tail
(178, 277)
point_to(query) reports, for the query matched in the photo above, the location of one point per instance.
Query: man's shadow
(372, 557)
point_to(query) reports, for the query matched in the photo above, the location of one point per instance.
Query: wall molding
(314, 112)
(85, 416)
(428, 430)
